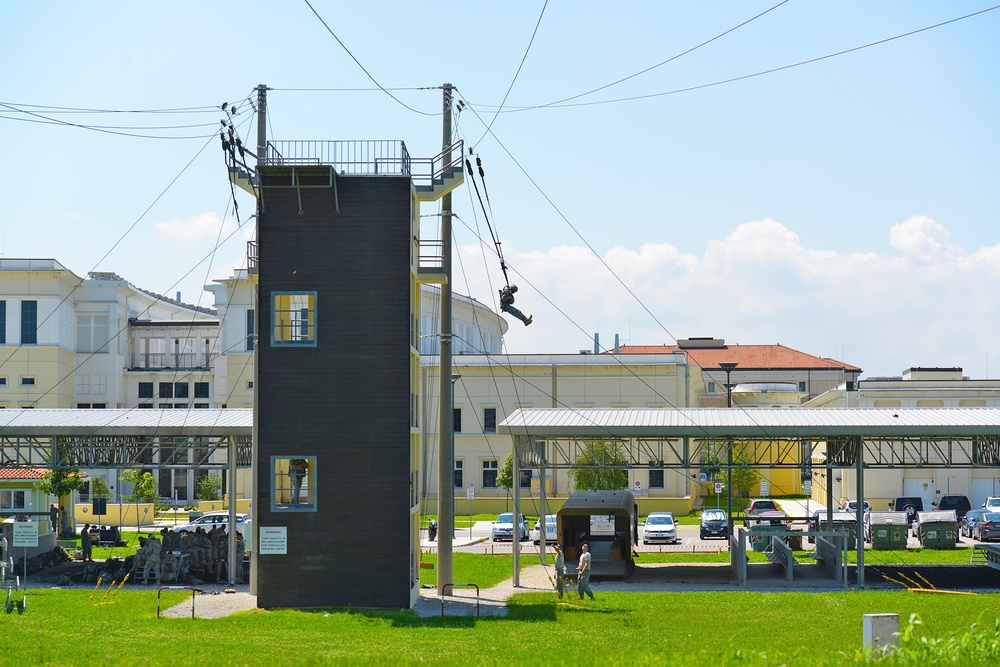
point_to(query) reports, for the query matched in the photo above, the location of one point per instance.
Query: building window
(711, 387)
(456, 420)
(200, 405)
(166, 390)
(490, 470)
(29, 322)
(525, 478)
(92, 333)
(12, 500)
(3, 322)
(83, 406)
(293, 484)
(3, 381)
(181, 406)
(250, 327)
(656, 479)
(181, 390)
(145, 390)
(293, 318)
(201, 390)
(802, 387)
(459, 481)
(489, 420)
(27, 381)
(145, 406)
(249, 384)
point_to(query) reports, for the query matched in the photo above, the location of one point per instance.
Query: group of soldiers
(175, 554)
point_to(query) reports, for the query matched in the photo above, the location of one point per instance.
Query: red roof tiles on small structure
(22, 473)
(749, 357)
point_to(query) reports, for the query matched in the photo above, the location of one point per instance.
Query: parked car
(814, 524)
(953, 501)
(713, 524)
(503, 528)
(965, 523)
(986, 527)
(219, 518)
(852, 507)
(551, 536)
(992, 504)
(909, 504)
(759, 505)
(659, 527)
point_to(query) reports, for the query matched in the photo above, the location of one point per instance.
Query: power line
(518, 72)
(745, 76)
(358, 63)
(664, 62)
(61, 109)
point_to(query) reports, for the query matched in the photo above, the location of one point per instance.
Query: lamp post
(728, 367)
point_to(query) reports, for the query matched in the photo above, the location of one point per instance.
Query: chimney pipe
(597, 343)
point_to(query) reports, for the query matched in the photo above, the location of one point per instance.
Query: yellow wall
(118, 515)
(242, 505)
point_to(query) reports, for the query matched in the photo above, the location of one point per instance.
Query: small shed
(888, 530)
(608, 522)
(937, 530)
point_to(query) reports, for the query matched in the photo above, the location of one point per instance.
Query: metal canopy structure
(683, 438)
(858, 438)
(121, 438)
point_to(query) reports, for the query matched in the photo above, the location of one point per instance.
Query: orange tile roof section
(749, 357)
(21, 473)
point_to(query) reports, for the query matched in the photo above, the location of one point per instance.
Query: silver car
(659, 527)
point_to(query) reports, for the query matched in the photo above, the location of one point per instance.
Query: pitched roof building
(765, 375)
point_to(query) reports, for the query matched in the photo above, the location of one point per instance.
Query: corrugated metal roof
(767, 423)
(126, 422)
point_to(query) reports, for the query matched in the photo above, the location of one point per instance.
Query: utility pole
(233, 565)
(446, 429)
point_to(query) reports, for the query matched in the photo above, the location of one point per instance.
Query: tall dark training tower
(336, 508)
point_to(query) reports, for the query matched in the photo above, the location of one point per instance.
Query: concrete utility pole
(261, 156)
(446, 429)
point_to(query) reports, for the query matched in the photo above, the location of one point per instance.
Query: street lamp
(728, 367)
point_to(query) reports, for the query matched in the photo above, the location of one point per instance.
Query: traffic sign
(470, 493)
(718, 487)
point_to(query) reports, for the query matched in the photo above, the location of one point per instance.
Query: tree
(143, 485)
(209, 487)
(61, 482)
(505, 476)
(744, 479)
(99, 488)
(586, 478)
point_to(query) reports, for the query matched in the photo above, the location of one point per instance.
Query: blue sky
(847, 207)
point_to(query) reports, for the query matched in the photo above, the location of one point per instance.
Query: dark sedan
(966, 522)
(986, 527)
(713, 524)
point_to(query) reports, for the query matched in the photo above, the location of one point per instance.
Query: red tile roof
(749, 357)
(22, 473)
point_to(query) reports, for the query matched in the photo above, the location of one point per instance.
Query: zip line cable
(659, 64)
(358, 63)
(745, 76)
(518, 72)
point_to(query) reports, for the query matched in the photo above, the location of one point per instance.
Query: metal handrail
(452, 586)
(361, 158)
(441, 164)
(160, 590)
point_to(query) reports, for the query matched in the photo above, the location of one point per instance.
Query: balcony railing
(359, 158)
(151, 361)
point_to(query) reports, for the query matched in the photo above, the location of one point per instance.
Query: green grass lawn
(731, 628)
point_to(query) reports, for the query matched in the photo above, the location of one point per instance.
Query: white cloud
(929, 305)
(201, 227)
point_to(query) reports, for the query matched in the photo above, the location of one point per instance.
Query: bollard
(881, 633)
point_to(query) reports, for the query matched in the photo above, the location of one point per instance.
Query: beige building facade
(916, 387)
